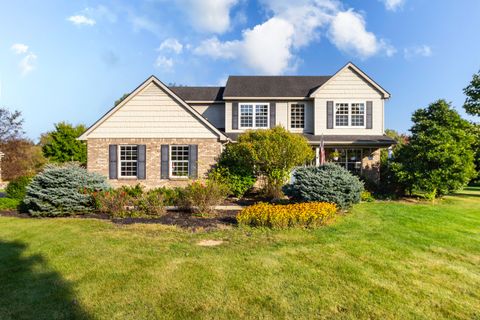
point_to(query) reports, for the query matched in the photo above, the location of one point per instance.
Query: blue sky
(69, 60)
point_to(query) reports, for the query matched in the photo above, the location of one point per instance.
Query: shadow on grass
(30, 290)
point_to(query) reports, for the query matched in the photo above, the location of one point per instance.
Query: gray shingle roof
(199, 93)
(273, 86)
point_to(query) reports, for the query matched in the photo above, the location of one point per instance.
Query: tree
(22, 158)
(438, 158)
(61, 145)
(119, 100)
(11, 125)
(472, 91)
(274, 153)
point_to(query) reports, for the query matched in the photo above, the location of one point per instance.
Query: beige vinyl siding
(348, 86)
(214, 112)
(152, 113)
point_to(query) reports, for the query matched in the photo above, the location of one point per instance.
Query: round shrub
(17, 188)
(327, 183)
(62, 190)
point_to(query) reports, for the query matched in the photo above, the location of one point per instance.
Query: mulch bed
(222, 218)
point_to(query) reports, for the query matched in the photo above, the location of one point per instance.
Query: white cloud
(171, 44)
(218, 50)
(19, 48)
(393, 5)
(209, 15)
(417, 51)
(140, 23)
(348, 33)
(164, 63)
(27, 64)
(101, 12)
(81, 20)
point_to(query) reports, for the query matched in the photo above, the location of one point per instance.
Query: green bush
(114, 202)
(151, 203)
(17, 188)
(238, 184)
(135, 191)
(311, 214)
(202, 197)
(366, 196)
(9, 204)
(169, 195)
(327, 183)
(62, 190)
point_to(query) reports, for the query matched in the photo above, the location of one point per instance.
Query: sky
(70, 60)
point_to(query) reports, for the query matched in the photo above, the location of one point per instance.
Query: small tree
(119, 100)
(274, 153)
(11, 125)
(438, 158)
(22, 158)
(61, 145)
(472, 91)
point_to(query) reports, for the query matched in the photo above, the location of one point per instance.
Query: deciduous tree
(61, 145)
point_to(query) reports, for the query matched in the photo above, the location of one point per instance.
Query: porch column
(317, 156)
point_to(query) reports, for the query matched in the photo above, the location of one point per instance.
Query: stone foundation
(97, 161)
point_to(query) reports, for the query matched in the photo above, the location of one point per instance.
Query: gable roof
(155, 80)
(272, 86)
(362, 74)
(199, 93)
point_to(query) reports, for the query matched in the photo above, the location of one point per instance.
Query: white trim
(267, 98)
(119, 162)
(386, 94)
(254, 104)
(170, 167)
(159, 83)
(349, 120)
(289, 116)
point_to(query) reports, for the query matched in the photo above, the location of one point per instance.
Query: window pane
(179, 160)
(341, 114)
(297, 115)
(358, 114)
(261, 115)
(246, 115)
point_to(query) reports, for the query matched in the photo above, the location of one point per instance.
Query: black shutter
(112, 161)
(164, 165)
(329, 114)
(234, 115)
(369, 121)
(193, 162)
(273, 111)
(141, 161)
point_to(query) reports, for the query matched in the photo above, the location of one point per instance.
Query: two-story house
(162, 135)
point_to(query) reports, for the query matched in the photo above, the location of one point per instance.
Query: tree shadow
(30, 290)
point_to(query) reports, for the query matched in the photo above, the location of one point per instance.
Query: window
(253, 115)
(297, 116)
(350, 159)
(179, 162)
(128, 161)
(350, 114)
(341, 115)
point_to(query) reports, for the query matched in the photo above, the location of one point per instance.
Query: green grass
(385, 260)
(8, 203)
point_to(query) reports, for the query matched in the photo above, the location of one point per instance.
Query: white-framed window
(297, 116)
(350, 115)
(350, 159)
(179, 161)
(128, 156)
(254, 115)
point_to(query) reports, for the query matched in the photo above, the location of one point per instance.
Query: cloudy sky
(69, 60)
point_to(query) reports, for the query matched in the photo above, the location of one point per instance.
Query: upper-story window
(253, 115)
(297, 116)
(350, 114)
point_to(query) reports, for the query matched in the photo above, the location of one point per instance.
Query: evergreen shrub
(327, 183)
(17, 188)
(62, 190)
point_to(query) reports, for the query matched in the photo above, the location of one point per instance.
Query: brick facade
(371, 166)
(98, 161)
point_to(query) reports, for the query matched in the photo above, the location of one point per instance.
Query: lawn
(384, 260)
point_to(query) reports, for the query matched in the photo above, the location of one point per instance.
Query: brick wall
(208, 152)
(371, 166)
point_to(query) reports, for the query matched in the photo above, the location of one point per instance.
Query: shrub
(17, 188)
(135, 191)
(366, 196)
(151, 203)
(170, 195)
(311, 214)
(114, 202)
(61, 191)
(327, 183)
(237, 184)
(202, 197)
(9, 203)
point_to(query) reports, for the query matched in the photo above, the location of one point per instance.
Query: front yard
(385, 260)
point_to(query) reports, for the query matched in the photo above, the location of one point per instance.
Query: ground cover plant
(384, 260)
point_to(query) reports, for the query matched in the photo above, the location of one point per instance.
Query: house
(162, 135)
